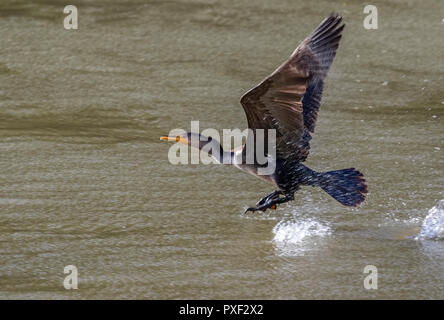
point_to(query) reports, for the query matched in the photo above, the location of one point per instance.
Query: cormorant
(288, 101)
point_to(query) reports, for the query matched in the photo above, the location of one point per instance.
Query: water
(433, 226)
(86, 181)
(298, 236)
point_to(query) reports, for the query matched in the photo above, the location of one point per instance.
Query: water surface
(86, 181)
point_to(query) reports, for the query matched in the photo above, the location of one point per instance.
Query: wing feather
(288, 100)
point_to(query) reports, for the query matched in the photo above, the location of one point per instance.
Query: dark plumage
(288, 101)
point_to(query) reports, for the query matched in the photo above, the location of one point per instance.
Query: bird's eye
(177, 138)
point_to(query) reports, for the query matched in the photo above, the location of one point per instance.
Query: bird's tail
(347, 185)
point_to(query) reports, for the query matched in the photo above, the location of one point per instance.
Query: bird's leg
(271, 195)
(272, 202)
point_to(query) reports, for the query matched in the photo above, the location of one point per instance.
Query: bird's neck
(223, 157)
(227, 157)
(216, 151)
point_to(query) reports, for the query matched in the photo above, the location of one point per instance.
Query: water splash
(293, 232)
(433, 226)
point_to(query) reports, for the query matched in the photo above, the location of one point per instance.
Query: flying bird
(288, 102)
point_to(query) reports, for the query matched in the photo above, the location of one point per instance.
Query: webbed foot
(270, 201)
(271, 195)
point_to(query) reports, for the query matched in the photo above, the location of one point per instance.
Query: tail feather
(347, 186)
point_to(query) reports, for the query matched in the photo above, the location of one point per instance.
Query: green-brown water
(84, 179)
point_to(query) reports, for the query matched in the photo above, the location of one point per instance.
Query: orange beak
(175, 139)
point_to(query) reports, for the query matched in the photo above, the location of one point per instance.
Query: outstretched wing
(288, 100)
